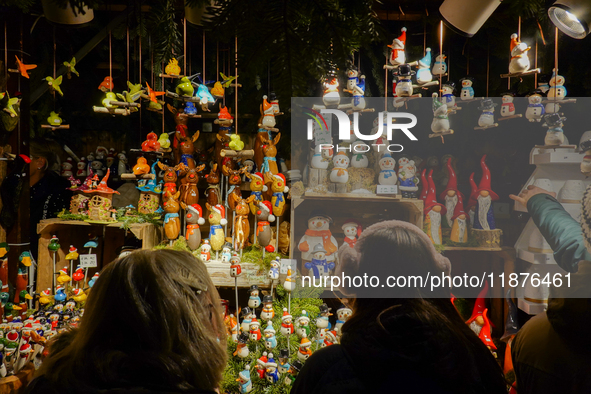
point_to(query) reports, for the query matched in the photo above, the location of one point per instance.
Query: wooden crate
(74, 232)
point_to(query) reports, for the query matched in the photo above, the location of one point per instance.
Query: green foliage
(254, 255)
(302, 299)
(77, 5)
(166, 36)
(24, 5)
(137, 218)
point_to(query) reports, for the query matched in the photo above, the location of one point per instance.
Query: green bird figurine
(8, 103)
(235, 142)
(54, 244)
(185, 88)
(164, 140)
(54, 84)
(107, 101)
(71, 68)
(54, 119)
(131, 95)
(226, 81)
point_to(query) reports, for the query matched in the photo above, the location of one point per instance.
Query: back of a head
(153, 319)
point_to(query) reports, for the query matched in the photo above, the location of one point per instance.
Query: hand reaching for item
(528, 193)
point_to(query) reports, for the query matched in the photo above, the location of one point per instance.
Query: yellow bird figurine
(217, 90)
(45, 297)
(107, 101)
(63, 277)
(73, 255)
(164, 140)
(79, 295)
(172, 68)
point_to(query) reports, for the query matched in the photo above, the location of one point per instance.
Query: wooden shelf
(472, 249)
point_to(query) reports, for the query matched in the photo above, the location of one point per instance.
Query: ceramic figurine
(352, 78)
(218, 90)
(249, 165)
(122, 165)
(424, 68)
(172, 68)
(267, 114)
(440, 123)
(322, 319)
(407, 178)
(322, 157)
(226, 253)
(358, 101)
(141, 166)
(54, 119)
(235, 268)
(303, 325)
(264, 218)
(472, 200)
(304, 351)
(535, 109)
(235, 143)
(459, 227)
(131, 95)
(433, 211)
(254, 301)
(81, 167)
(451, 194)
(78, 295)
(273, 273)
(555, 134)
(352, 230)
(185, 88)
(149, 193)
(270, 339)
(278, 187)
(293, 372)
(170, 176)
(212, 193)
(187, 148)
(556, 93)
(487, 117)
(193, 218)
(359, 158)
(255, 330)
(24, 68)
(479, 322)
(289, 284)
(397, 55)
(242, 346)
(206, 251)
(233, 194)
(467, 92)
(404, 86)
(283, 361)
(190, 109)
(106, 85)
(318, 232)
(387, 174)
(67, 168)
(172, 223)
(330, 96)
(484, 215)
(92, 280)
(205, 97)
(63, 276)
(439, 67)
(78, 275)
(267, 313)
(339, 173)
(244, 382)
(343, 314)
(269, 166)
(217, 219)
(225, 121)
(261, 365)
(164, 141)
(241, 224)
(447, 95)
(257, 187)
(286, 323)
(247, 315)
(54, 85)
(284, 237)
(519, 60)
(508, 108)
(318, 266)
(188, 188)
(109, 98)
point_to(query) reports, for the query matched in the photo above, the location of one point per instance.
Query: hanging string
(162, 68)
(556, 50)
(127, 52)
(54, 71)
(386, 89)
(487, 67)
(185, 46)
(140, 65)
(519, 29)
(441, 51)
(536, 65)
(217, 59)
(425, 38)
(6, 53)
(236, 82)
(203, 75)
(110, 62)
(448, 62)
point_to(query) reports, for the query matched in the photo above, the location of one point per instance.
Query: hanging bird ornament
(131, 95)
(185, 87)
(54, 119)
(106, 85)
(172, 68)
(226, 81)
(71, 68)
(54, 84)
(24, 68)
(8, 104)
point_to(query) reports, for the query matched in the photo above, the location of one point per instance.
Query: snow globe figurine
(359, 158)
(440, 123)
(519, 59)
(554, 135)
(318, 267)
(439, 67)
(254, 301)
(508, 108)
(407, 178)
(267, 313)
(343, 314)
(467, 92)
(397, 55)
(318, 232)
(404, 86)
(387, 174)
(484, 215)
(244, 382)
(487, 117)
(352, 230)
(339, 173)
(535, 109)
(433, 211)
(322, 319)
(286, 323)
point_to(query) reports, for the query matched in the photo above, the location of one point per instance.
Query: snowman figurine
(508, 108)
(318, 232)
(447, 95)
(242, 347)
(246, 313)
(554, 135)
(424, 69)
(254, 301)
(331, 97)
(235, 268)
(407, 178)
(244, 382)
(205, 251)
(255, 330)
(267, 313)
(535, 109)
(487, 117)
(397, 55)
(321, 157)
(67, 167)
(404, 85)
(270, 339)
(339, 173)
(283, 366)
(273, 273)
(439, 67)
(303, 325)
(359, 159)
(352, 79)
(387, 173)
(358, 100)
(81, 167)
(322, 319)
(352, 230)
(440, 123)
(304, 351)
(343, 314)
(318, 266)
(226, 253)
(286, 323)
(544, 83)
(271, 372)
(556, 92)
(519, 59)
(467, 92)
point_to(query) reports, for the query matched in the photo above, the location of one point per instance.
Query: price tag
(88, 260)
(287, 264)
(322, 135)
(387, 189)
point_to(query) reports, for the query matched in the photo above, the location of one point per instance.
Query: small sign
(88, 260)
(387, 190)
(322, 135)
(287, 264)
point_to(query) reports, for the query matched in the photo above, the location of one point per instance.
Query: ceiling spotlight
(572, 17)
(466, 17)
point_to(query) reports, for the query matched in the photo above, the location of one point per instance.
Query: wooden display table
(16, 384)
(75, 232)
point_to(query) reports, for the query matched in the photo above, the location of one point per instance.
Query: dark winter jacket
(552, 351)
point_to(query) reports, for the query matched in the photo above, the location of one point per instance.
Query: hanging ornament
(397, 55)
(519, 64)
(487, 117)
(440, 66)
(535, 109)
(508, 108)
(440, 124)
(54, 84)
(555, 135)
(71, 68)
(423, 75)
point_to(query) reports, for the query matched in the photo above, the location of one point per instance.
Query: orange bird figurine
(23, 68)
(151, 144)
(141, 167)
(153, 94)
(106, 85)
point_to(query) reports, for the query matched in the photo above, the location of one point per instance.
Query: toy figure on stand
(508, 108)
(448, 98)
(267, 313)
(206, 251)
(245, 384)
(450, 195)
(257, 187)
(487, 117)
(283, 361)
(235, 268)
(286, 323)
(188, 188)
(263, 231)
(149, 193)
(304, 351)
(433, 211)
(187, 148)
(339, 173)
(519, 63)
(318, 232)
(217, 219)
(535, 109)
(255, 330)
(330, 96)
(467, 92)
(267, 120)
(278, 187)
(241, 233)
(212, 193)
(479, 322)
(273, 273)
(269, 166)
(233, 194)
(172, 68)
(555, 134)
(242, 346)
(225, 121)
(254, 301)
(226, 253)
(424, 76)
(397, 55)
(404, 87)
(170, 176)
(459, 228)
(556, 92)
(440, 67)
(407, 178)
(440, 124)
(322, 321)
(67, 167)
(194, 218)
(343, 314)
(387, 174)
(303, 325)
(359, 158)
(484, 215)
(172, 223)
(270, 339)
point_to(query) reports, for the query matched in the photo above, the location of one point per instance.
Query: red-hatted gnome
(425, 184)
(449, 197)
(479, 322)
(483, 216)
(459, 228)
(433, 212)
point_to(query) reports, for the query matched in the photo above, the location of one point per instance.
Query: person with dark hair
(49, 194)
(552, 351)
(152, 324)
(415, 345)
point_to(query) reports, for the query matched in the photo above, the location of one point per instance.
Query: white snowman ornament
(487, 117)
(467, 92)
(447, 95)
(343, 314)
(439, 67)
(321, 157)
(318, 232)
(519, 60)
(404, 86)
(359, 158)
(424, 69)
(508, 108)
(339, 173)
(557, 92)
(387, 174)
(440, 123)
(67, 167)
(554, 135)
(397, 55)
(535, 109)
(331, 97)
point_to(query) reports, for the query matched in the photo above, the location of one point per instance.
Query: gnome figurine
(459, 228)
(554, 135)
(484, 215)
(479, 322)
(433, 211)
(397, 55)
(450, 195)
